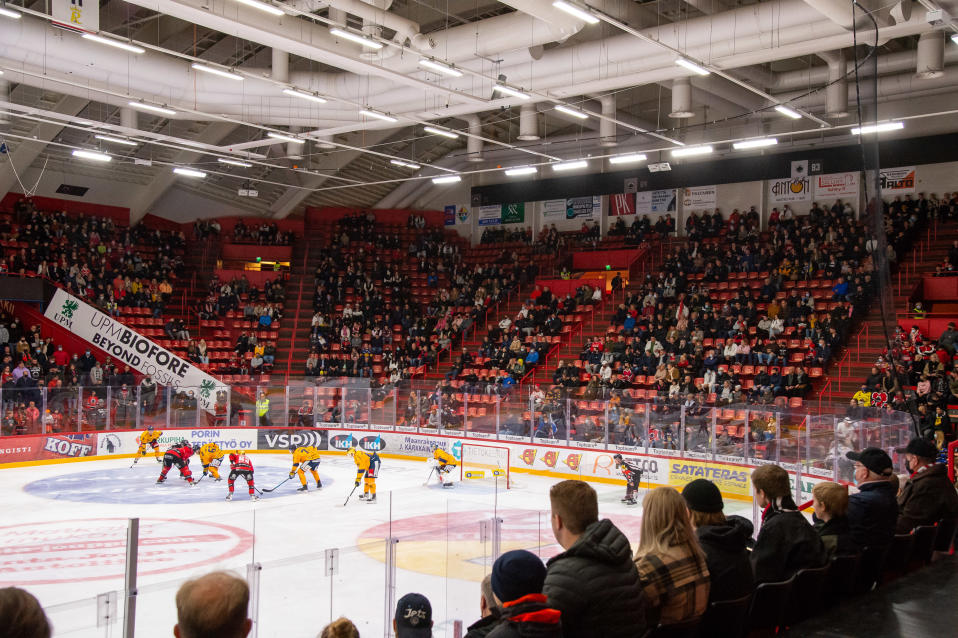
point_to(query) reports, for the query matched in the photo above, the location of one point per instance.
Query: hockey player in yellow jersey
(308, 457)
(211, 456)
(149, 438)
(444, 463)
(367, 465)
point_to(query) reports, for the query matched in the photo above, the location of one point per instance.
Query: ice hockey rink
(63, 538)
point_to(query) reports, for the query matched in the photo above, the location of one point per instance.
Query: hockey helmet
(184, 443)
(149, 428)
(617, 458)
(293, 447)
(196, 447)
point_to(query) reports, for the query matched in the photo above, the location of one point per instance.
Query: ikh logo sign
(368, 443)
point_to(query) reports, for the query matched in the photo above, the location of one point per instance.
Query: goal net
(485, 463)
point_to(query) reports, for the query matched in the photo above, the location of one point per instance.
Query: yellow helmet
(351, 451)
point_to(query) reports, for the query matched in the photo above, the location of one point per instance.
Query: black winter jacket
(872, 514)
(482, 627)
(596, 586)
(528, 617)
(786, 543)
(727, 557)
(927, 498)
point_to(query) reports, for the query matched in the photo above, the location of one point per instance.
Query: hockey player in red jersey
(633, 477)
(241, 466)
(178, 455)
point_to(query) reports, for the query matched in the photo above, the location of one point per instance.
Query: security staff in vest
(262, 410)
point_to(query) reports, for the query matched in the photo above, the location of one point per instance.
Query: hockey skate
(302, 489)
(319, 485)
(631, 501)
(229, 497)
(254, 497)
(371, 499)
(162, 479)
(363, 496)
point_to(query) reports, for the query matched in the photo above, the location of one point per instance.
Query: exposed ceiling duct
(836, 93)
(528, 123)
(681, 98)
(931, 55)
(607, 126)
(474, 141)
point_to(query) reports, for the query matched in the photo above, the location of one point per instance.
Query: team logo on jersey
(550, 458)
(528, 455)
(572, 462)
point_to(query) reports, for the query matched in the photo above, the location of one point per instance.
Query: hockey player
(211, 456)
(152, 438)
(309, 457)
(178, 455)
(241, 466)
(633, 476)
(367, 464)
(444, 464)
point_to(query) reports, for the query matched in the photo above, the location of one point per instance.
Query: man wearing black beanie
(516, 582)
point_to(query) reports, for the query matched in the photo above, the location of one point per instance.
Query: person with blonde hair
(671, 564)
(340, 628)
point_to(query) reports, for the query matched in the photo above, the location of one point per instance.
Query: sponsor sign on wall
(833, 186)
(15, 449)
(897, 181)
(729, 479)
(656, 202)
(131, 348)
(623, 204)
(699, 197)
(584, 208)
(490, 215)
(513, 213)
(450, 215)
(283, 439)
(553, 209)
(785, 190)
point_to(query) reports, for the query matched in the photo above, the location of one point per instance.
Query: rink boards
(583, 460)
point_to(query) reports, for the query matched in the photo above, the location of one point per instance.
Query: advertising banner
(77, 16)
(450, 215)
(129, 347)
(656, 202)
(699, 197)
(837, 186)
(46, 447)
(553, 209)
(283, 439)
(783, 191)
(623, 204)
(897, 181)
(490, 215)
(514, 213)
(584, 208)
(729, 479)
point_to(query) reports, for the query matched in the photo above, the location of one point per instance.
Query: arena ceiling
(355, 83)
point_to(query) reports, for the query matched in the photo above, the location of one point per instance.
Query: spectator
(213, 605)
(671, 564)
(830, 501)
(724, 540)
(413, 617)
(488, 611)
(786, 542)
(594, 582)
(21, 615)
(872, 511)
(928, 496)
(516, 581)
(340, 628)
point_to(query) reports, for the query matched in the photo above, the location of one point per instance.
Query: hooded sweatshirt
(727, 557)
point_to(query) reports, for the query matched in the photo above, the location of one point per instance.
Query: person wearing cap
(872, 512)
(724, 540)
(928, 496)
(413, 617)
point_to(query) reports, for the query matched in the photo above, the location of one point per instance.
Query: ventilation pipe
(127, 118)
(294, 151)
(681, 98)
(324, 142)
(474, 141)
(607, 126)
(280, 67)
(836, 93)
(5, 96)
(528, 123)
(931, 55)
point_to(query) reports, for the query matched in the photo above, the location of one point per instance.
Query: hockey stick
(431, 471)
(267, 489)
(355, 485)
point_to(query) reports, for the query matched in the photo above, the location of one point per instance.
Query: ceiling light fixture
(232, 162)
(305, 96)
(358, 39)
(787, 112)
(954, 38)
(405, 164)
(568, 110)
(570, 166)
(16, 15)
(692, 150)
(628, 159)
(378, 115)
(660, 167)
(692, 66)
(150, 107)
(879, 128)
(286, 138)
(92, 155)
(448, 179)
(116, 140)
(439, 67)
(443, 132)
(762, 143)
(119, 44)
(502, 88)
(521, 170)
(578, 12)
(188, 172)
(262, 6)
(212, 70)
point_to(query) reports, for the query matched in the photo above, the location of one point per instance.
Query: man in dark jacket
(594, 582)
(787, 542)
(516, 581)
(928, 496)
(873, 511)
(724, 540)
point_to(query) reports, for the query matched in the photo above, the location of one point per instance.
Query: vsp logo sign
(283, 439)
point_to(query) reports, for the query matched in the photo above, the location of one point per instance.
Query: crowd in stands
(264, 234)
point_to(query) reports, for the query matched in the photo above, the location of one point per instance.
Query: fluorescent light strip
(405, 164)
(521, 170)
(188, 172)
(879, 128)
(358, 39)
(378, 115)
(262, 6)
(502, 88)
(116, 140)
(573, 10)
(119, 44)
(440, 68)
(286, 138)
(443, 132)
(212, 70)
(448, 179)
(232, 162)
(305, 96)
(787, 112)
(570, 166)
(692, 150)
(150, 107)
(568, 110)
(16, 15)
(692, 66)
(954, 38)
(762, 143)
(628, 159)
(91, 155)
